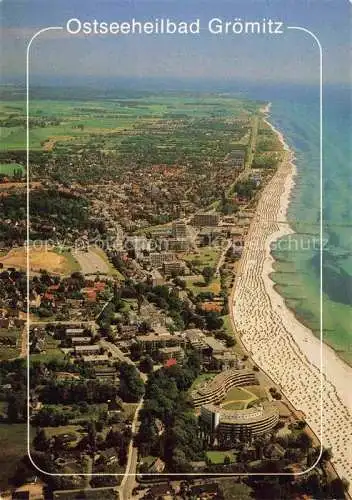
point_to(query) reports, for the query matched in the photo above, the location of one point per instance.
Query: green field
(217, 457)
(71, 263)
(10, 168)
(64, 121)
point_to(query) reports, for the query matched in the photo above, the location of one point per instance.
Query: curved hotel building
(215, 390)
(258, 419)
(253, 421)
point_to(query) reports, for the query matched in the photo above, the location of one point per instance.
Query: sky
(291, 57)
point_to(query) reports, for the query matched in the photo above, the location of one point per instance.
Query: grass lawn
(197, 285)
(227, 324)
(203, 377)
(8, 352)
(13, 445)
(235, 405)
(48, 355)
(129, 410)
(205, 256)
(77, 430)
(149, 459)
(51, 351)
(71, 264)
(217, 457)
(238, 398)
(9, 168)
(112, 270)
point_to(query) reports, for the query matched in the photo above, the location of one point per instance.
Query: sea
(295, 112)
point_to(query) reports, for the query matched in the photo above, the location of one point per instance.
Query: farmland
(146, 129)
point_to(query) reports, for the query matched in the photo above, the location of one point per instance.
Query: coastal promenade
(285, 349)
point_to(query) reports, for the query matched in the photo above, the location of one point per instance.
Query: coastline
(274, 336)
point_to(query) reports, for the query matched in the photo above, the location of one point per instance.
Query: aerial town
(119, 345)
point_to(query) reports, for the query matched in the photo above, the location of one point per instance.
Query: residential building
(214, 346)
(156, 278)
(177, 245)
(179, 230)
(206, 219)
(153, 342)
(215, 390)
(158, 258)
(74, 332)
(81, 340)
(196, 338)
(226, 360)
(237, 157)
(97, 359)
(173, 267)
(171, 352)
(87, 349)
(106, 373)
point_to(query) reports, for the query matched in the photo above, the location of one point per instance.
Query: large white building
(215, 390)
(254, 421)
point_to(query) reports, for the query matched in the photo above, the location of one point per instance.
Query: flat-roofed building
(214, 345)
(226, 360)
(158, 258)
(196, 339)
(106, 373)
(214, 391)
(157, 278)
(173, 267)
(237, 157)
(231, 424)
(96, 359)
(138, 243)
(153, 341)
(177, 245)
(128, 331)
(74, 332)
(171, 352)
(179, 230)
(87, 349)
(206, 220)
(81, 340)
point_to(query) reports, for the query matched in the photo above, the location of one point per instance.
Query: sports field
(50, 260)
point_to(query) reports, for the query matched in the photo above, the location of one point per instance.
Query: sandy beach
(284, 348)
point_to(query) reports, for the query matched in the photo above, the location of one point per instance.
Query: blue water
(295, 111)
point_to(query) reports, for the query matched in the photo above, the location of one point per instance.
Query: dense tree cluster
(131, 385)
(245, 188)
(166, 400)
(92, 391)
(14, 374)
